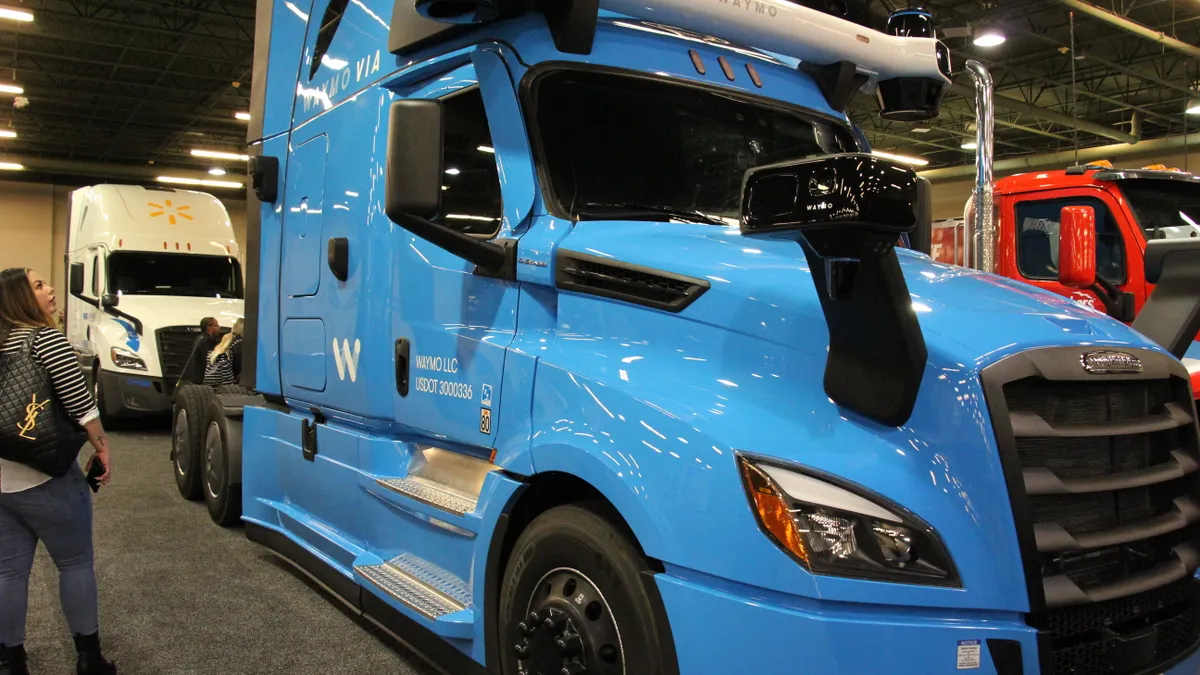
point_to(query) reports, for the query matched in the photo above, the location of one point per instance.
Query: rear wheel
(187, 438)
(222, 442)
(578, 597)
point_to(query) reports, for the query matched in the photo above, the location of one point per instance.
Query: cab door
(453, 326)
(1033, 255)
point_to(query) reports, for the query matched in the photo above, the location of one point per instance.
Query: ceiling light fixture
(989, 36)
(243, 116)
(452, 172)
(11, 89)
(16, 14)
(179, 180)
(969, 145)
(1193, 106)
(214, 154)
(7, 133)
(485, 148)
(904, 159)
(10, 166)
(216, 171)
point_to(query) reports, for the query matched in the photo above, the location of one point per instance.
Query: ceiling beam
(1014, 105)
(1134, 27)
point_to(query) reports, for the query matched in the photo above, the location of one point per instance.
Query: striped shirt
(52, 351)
(223, 369)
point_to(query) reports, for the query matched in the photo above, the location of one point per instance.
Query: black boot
(91, 661)
(12, 660)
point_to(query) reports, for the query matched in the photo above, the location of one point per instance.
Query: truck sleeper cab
(145, 266)
(541, 328)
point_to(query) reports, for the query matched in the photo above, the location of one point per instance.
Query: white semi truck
(144, 267)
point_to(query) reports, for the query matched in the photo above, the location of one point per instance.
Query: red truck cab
(1130, 206)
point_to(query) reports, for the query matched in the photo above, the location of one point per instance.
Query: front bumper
(131, 394)
(718, 632)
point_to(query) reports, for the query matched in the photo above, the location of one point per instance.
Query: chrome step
(426, 588)
(431, 493)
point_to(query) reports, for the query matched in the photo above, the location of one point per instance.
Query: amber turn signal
(772, 510)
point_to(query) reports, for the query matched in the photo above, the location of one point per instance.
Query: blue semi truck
(585, 346)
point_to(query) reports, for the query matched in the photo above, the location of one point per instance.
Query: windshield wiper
(632, 210)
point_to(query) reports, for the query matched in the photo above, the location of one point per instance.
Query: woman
(34, 506)
(225, 360)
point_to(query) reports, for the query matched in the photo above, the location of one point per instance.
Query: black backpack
(35, 429)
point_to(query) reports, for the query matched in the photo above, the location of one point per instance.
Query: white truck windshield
(204, 276)
(634, 147)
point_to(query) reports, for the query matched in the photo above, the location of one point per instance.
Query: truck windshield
(202, 276)
(643, 148)
(1165, 209)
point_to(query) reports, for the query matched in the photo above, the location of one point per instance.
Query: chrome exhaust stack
(981, 211)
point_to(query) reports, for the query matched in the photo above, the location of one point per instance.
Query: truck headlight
(123, 358)
(833, 531)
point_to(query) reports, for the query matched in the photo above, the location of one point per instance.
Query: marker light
(214, 154)
(15, 14)
(179, 180)
(11, 89)
(989, 37)
(904, 159)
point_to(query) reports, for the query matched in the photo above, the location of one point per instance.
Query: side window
(329, 25)
(1037, 239)
(471, 190)
(95, 276)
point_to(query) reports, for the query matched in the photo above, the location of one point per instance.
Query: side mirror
(75, 282)
(110, 300)
(414, 187)
(1077, 247)
(921, 237)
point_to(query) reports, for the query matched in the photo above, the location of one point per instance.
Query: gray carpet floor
(181, 596)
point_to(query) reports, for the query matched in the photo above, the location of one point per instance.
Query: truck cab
(1130, 206)
(583, 345)
(145, 266)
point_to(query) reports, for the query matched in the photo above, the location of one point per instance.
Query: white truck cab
(144, 267)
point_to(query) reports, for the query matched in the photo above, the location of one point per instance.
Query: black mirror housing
(1171, 315)
(110, 300)
(414, 159)
(75, 282)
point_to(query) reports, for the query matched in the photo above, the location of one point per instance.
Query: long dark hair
(18, 305)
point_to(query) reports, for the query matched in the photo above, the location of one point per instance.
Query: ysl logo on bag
(31, 412)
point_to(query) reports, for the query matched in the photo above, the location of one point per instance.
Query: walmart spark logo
(170, 211)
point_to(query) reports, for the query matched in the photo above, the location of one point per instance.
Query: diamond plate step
(429, 492)
(411, 581)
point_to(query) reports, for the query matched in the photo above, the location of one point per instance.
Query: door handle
(402, 349)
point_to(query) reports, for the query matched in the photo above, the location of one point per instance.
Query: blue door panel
(302, 221)
(303, 354)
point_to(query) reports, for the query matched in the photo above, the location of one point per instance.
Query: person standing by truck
(224, 363)
(35, 506)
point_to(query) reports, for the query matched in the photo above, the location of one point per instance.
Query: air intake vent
(629, 283)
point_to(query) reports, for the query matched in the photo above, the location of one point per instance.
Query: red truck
(1113, 212)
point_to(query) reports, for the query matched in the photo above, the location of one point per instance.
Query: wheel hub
(569, 630)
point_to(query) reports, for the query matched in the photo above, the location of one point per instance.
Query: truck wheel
(578, 597)
(222, 442)
(106, 417)
(187, 438)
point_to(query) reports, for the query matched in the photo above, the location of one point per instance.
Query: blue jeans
(58, 513)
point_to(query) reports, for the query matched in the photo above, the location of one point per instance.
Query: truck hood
(158, 311)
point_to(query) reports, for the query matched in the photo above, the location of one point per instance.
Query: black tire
(594, 597)
(221, 441)
(190, 421)
(233, 390)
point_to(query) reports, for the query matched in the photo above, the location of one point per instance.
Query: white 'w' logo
(345, 360)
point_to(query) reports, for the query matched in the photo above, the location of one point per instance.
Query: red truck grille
(1104, 478)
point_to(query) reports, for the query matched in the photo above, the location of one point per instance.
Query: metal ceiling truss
(141, 81)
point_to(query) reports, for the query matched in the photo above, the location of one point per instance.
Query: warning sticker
(968, 654)
(485, 421)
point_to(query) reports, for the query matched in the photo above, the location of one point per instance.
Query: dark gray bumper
(131, 394)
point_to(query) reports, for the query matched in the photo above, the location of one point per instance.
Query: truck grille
(1104, 477)
(174, 349)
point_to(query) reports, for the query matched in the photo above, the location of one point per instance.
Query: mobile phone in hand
(94, 473)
